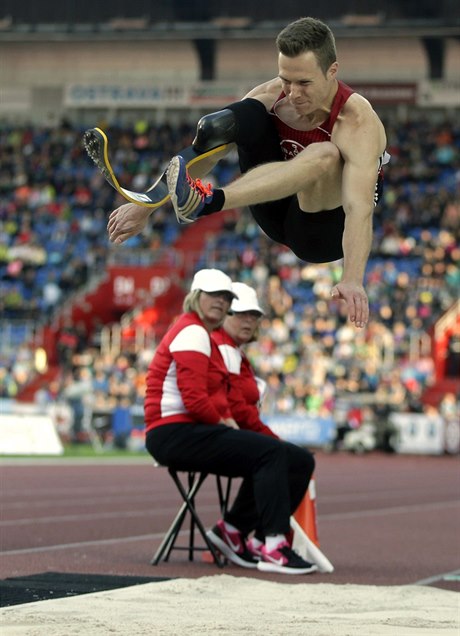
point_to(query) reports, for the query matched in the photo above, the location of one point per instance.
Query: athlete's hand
(126, 221)
(356, 299)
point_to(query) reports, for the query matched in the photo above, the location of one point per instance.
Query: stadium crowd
(53, 212)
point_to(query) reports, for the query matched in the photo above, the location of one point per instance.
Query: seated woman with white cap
(189, 426)
(240, 327)
(246, 392)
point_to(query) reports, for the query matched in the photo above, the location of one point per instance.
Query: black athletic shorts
(315, 237)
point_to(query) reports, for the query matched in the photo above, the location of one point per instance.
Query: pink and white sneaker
(255, 548)
(232, 545)
(284, 560)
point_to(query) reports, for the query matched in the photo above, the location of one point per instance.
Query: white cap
(212, 280)
(246, 300)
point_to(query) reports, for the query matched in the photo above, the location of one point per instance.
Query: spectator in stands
(8, 385)
(420, 199)
(67, 344)
(189, 425)
(51, 293)
(449, 407)
(77, 391)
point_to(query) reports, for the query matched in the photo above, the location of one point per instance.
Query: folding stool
(188, 491)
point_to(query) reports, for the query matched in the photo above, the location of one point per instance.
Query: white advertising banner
(89, 95)
(417, 433)
(27, 434)
(439, 94)
(204, 94)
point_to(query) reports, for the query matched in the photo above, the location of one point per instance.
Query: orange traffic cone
(305, 515)
(305, 532)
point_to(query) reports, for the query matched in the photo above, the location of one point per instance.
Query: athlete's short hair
(308, 34)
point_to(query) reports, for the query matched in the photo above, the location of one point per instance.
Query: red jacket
(187, 380)
(244, 395)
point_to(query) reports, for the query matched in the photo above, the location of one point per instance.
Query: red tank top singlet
(292, 141)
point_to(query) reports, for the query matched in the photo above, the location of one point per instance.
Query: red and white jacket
(187, 380)
(245, 394)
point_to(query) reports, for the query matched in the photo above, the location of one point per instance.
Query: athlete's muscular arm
(360, 138)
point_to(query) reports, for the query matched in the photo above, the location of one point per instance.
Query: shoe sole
(228, 552)
(172, 177)
(265, 566)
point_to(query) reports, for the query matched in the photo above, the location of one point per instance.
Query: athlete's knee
(215, 129)
(242, 123)
(325, 154)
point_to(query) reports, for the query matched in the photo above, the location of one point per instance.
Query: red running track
(382, 519)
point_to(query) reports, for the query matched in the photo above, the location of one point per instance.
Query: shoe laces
(198, 186)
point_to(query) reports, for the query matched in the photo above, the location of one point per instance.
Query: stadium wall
(56, 63)
(35, 75)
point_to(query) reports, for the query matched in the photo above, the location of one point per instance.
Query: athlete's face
(305, 84)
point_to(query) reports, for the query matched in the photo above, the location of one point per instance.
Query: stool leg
(166, 546)
(188, 498)
(191, 541)
(223, 498)
(170, 537)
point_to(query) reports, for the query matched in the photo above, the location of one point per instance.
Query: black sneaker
(232, 545)
(284, 560)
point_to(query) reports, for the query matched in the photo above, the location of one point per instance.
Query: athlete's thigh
(271, 217)
(315, 237)
(323, 191)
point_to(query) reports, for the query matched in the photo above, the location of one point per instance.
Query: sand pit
(230, 606)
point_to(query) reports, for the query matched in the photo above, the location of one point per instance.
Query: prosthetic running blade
(96, 145)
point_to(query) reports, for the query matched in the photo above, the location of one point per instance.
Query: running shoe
(188, 196)
(232, 545)
(255, 550)
(284, 561)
